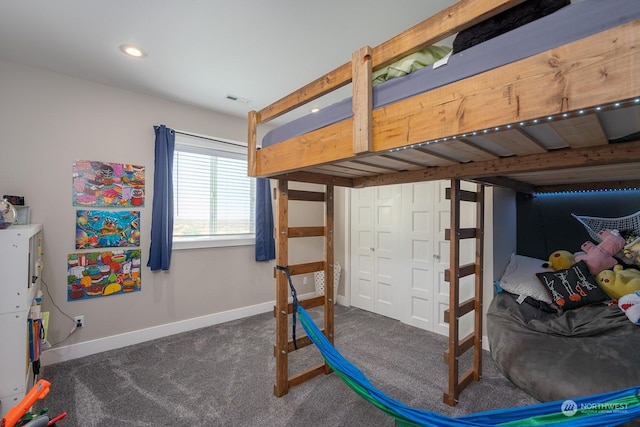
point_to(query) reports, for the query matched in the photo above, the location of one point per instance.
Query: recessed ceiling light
(131, 50)
(315, 109)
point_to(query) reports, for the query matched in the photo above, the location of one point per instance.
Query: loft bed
(553, 105)
(430, 135)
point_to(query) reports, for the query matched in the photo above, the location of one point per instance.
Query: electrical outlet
(79, 321)
(305, 280)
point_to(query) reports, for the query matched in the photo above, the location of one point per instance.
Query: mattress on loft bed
(571, 23)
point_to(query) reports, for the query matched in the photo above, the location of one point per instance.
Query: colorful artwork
(100, 274)
(103, 229)
(114, 185)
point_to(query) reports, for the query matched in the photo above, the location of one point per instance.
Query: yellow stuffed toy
(560, 260)
(619, 281)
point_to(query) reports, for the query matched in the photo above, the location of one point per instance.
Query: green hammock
(607, 409)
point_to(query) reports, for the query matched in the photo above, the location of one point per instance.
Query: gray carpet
(223, 376)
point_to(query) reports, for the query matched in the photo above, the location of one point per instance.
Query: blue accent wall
(545, 224)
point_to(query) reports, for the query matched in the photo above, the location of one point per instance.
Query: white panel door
(399, 253)
(375, 238)
(362, 248)
(418, 236)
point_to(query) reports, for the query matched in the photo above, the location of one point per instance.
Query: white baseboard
(86, 348)
(485, 343)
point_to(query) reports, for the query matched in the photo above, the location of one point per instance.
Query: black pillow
(506, 21)
(573, 287)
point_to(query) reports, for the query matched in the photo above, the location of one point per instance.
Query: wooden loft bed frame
(594, 72)
(567, 86)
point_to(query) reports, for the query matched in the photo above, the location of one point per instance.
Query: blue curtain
(162, 213)
(265, 244)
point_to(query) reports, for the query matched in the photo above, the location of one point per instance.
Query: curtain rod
(208, 138)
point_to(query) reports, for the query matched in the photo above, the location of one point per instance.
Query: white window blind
(213, 196)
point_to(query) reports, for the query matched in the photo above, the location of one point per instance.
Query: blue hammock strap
(294, 295)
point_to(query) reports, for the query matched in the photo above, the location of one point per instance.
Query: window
(213, 198)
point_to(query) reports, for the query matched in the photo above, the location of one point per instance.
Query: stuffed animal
(619, 281)
(560, 260)
(600, 257)
(632, 250)
(630, 304)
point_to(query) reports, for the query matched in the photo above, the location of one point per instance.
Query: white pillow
(520, 278)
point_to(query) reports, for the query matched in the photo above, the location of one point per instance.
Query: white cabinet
(20, 264)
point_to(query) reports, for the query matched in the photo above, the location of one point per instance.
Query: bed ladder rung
(464, 308)
(301, 342)
(306, 232)
(306, 196)
(463, 271)
(464, 195)
(463, 233)
(305, 268)
(306, 375)
(464, 345)
(307, 303)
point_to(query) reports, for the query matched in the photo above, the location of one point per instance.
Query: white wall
(505, 228)
(48, 121)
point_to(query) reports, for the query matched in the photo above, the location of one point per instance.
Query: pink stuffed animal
(600, 257)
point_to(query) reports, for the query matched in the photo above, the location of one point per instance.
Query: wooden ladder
(283, 307)
(457, 309)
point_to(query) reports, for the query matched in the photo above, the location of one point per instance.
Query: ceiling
(200, 51)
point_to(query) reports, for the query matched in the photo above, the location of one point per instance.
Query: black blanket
(555, 356)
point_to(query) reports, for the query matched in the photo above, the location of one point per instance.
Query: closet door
(375, 216)
(419, 254)
(425, 254)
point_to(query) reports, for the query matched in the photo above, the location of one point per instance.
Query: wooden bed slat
(581, 131)
(462, 151)
(516, 141)
(366, 166)
(626, 152)
(383, 162)
(424, 156)
(338, 170)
